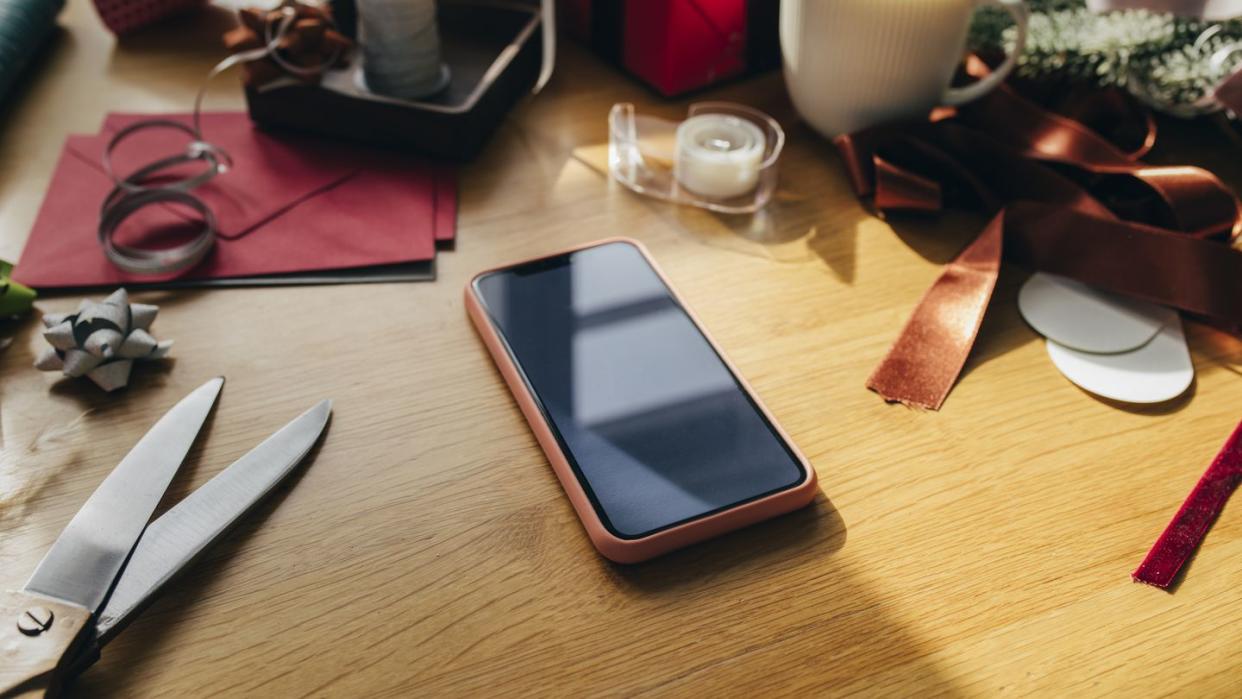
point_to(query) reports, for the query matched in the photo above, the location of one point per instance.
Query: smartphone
(655, 438)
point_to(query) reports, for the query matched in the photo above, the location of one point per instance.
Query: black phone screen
(657, 428)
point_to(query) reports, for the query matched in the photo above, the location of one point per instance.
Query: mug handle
(955, 96)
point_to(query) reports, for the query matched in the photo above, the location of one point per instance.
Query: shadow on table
(168, 36)
(189, 43)
(743, 585)
(1167, 407)
(817, 528)
(812, 214)
(939, 241)
(937, 237)
(1003, 328)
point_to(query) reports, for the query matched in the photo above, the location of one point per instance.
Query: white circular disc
(1077, 316)
(1158, 371)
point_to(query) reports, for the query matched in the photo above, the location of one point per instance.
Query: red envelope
(446, 205)
(289, 205)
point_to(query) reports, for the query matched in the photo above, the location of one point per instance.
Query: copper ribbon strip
(303, 49)
(1065, 200)
(1192, 521)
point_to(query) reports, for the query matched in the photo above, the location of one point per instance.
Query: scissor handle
(37, 637)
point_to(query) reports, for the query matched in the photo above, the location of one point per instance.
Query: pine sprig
(1171, 62)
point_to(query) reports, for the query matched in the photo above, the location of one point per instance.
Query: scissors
(109, 562)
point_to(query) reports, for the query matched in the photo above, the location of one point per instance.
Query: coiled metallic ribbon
(134, 191)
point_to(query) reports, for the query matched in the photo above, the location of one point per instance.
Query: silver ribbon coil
(134, 191)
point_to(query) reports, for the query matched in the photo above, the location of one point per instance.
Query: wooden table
(427, 549)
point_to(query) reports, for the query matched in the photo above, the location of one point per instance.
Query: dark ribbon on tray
(1064, 199)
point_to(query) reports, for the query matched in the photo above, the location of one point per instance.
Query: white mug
(850, 64)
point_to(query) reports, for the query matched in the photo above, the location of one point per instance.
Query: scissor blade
(185, 531)
(83, 563)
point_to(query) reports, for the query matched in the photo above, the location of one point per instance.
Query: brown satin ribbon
(1065, 200)
(310, 44)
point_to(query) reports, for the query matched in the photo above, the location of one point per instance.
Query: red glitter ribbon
(124, 16)
(1198, 512)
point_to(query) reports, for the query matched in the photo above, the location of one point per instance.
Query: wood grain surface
(426, 548)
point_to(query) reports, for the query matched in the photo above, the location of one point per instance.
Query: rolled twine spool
(401, 48)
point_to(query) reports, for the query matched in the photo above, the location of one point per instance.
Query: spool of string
(401, 48)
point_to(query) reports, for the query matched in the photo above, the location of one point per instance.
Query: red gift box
(123, 16)
(676, 46)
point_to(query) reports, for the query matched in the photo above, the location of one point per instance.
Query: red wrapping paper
(123, 16)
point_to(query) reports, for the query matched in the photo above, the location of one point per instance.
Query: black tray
(493, 50)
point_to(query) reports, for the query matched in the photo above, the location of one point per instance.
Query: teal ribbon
(24, 26)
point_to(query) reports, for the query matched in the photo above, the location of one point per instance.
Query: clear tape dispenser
(723, 157)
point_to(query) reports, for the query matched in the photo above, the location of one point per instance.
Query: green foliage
(1170, 61)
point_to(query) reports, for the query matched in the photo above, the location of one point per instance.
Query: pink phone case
(611, 546)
